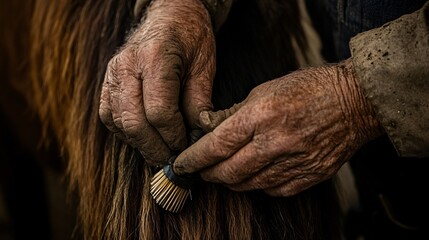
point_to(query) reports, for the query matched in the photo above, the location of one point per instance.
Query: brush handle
(169, 190)
(184, 181)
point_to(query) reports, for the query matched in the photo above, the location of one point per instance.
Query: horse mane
(71, 44)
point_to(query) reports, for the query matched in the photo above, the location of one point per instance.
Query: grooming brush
(169, 190)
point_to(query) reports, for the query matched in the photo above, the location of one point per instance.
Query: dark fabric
(337, 21)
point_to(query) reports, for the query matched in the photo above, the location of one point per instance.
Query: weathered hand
(288, 135)
(168, 61)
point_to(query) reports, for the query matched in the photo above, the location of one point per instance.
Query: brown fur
(71, 43)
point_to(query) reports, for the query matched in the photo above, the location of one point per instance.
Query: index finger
(223, 142)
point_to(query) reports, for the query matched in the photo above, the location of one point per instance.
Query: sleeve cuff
(391, 64)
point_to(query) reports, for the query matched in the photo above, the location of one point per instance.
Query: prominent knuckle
(160, 115)
(111, 71)
(104, 114)
(112, 65)
(121, 64)
(132, 128)
(118, 122)
(112, 62)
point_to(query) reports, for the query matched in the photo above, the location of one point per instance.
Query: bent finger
(218, 145)
(243, 164)
(140, 134)
(114, 79)
(197, 91)
(161, 89)
(105, 110)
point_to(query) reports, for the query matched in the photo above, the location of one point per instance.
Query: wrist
(179, 10)
(358, 111)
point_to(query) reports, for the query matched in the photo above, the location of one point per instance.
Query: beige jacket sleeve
(218, 10)
(392, 66)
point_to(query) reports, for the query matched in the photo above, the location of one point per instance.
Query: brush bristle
(166, 194)
(169, 190)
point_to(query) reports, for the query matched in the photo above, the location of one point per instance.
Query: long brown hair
(71, 43)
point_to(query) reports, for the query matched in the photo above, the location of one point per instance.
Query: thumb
(196, 99)
(197, 93)
(197, 90)
(209, 120)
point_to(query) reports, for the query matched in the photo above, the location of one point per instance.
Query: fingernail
(205, 117)
(206, 121)
(178, 169)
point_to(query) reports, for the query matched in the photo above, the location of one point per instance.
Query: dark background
(33, 199)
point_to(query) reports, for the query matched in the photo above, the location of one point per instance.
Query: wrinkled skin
(287, 135)
(161, 80)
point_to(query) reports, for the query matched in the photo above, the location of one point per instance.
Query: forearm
(392, 68)
(218, 10)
